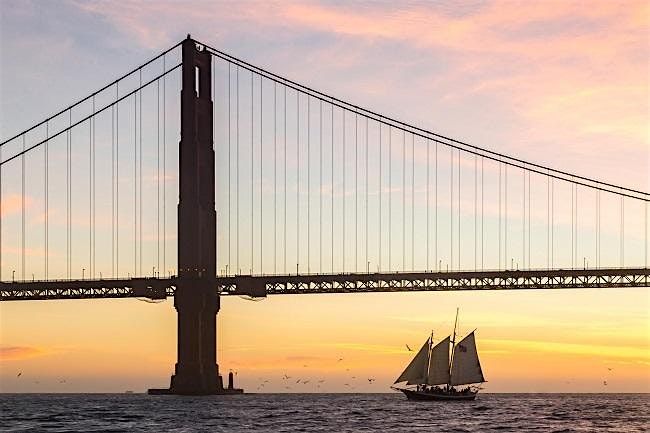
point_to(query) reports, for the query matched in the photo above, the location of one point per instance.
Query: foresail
(466, 367)
(439, 364)
(416, 371)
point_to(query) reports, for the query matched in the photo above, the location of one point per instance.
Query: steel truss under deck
(262, 285)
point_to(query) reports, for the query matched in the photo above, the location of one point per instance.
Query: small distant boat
(435, 375)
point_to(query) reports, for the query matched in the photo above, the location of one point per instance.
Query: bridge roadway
(262, 285)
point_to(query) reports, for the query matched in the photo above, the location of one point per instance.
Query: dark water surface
(323, 413)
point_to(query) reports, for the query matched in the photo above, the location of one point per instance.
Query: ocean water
(323, 413)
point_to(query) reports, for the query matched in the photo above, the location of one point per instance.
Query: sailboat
(434, 375)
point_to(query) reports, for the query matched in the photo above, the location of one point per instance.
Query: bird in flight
(19, 374)
(371, 380)
(340, 359)
(408, 348)
(605, 382)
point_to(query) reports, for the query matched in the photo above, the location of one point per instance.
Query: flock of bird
(289, 382)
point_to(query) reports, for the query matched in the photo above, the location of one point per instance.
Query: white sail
(439, 364)
(466, 367)
(416, 372)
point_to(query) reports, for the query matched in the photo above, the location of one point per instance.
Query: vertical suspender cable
(164, 194)
(451, 208)
(482, 207)
(47, 198)
(140, 180)
(367, 220)
(505, 219)
(475, 212)
(356, 191)
(622, 231)
(117, 184)
(22, 204)
(412, 202)
(523, 222)
(403, 201)
(552, 223)
(252, 174)
(90, 190)
(308, 183)
(228, 266)
(284, 151)
(320, 187)
(427, 200)
(261, 173)
(275, 177)
(390, 196)
(529, 220)
(572, 225)
(548, 222)
(500, 213)
(238, 270)
(135, 184)
(459, 205)
(344, 192)
(297, 181)
(332, 180)
(113, 191)
(379, 182)
(435, 209)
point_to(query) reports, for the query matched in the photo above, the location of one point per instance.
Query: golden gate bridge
(282, 189)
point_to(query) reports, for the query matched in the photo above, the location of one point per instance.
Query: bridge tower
(196, 299)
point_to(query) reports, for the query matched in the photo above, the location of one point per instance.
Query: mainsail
(439, 364)
(466, 367)
(416, 371)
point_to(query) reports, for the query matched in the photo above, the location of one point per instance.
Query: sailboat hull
(437, 396)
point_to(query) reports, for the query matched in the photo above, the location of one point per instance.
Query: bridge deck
(262, 285)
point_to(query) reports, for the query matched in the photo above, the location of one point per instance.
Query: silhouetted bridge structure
(323, 184)
(262, 285)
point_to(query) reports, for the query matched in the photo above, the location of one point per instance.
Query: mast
(453, 346)
(429, 359)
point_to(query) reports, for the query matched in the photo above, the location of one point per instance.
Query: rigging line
(82, 120)
(112, 83)
(399, 124)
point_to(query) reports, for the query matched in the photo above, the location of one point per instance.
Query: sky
(550, 82)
